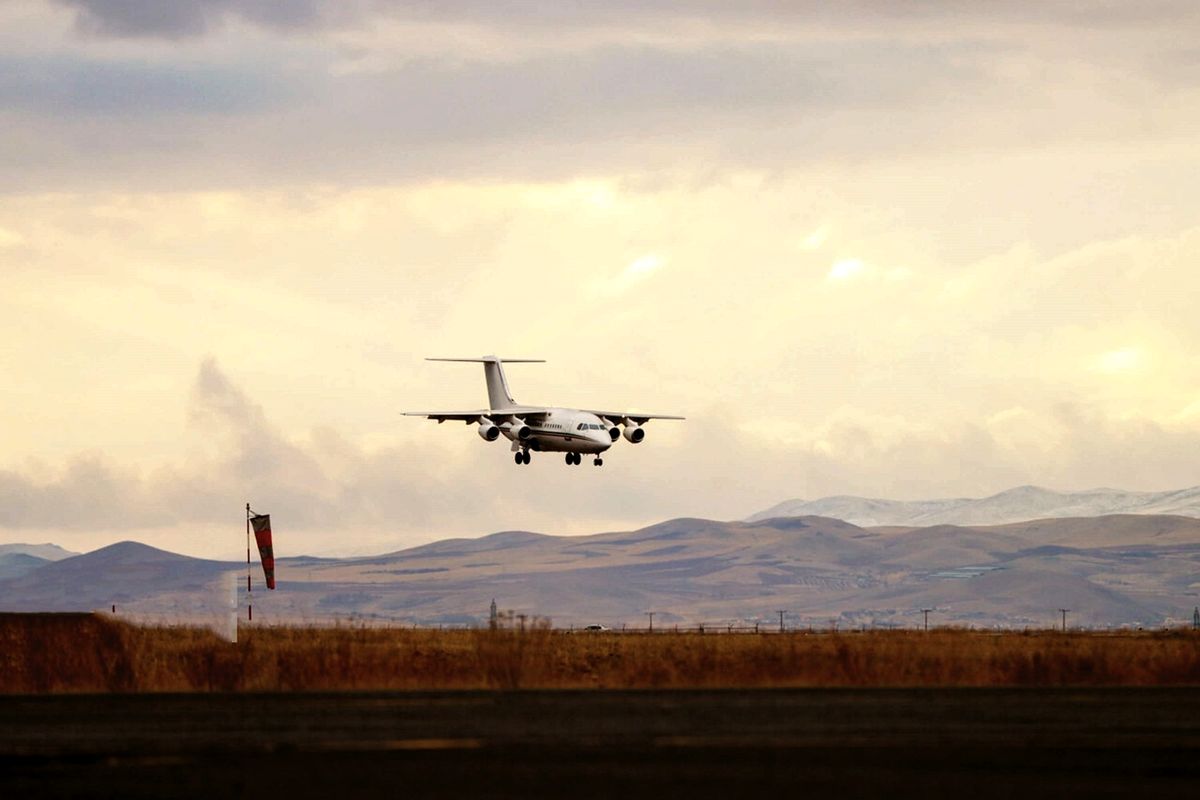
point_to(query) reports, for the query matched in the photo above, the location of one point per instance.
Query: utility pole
(650, 614)
(1064, 611)
(1196, 618)
(926, 611)
(781, 613)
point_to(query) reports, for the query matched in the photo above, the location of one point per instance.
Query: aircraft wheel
(519, 458)
(570, 459)
(528, 457)
(599, 461)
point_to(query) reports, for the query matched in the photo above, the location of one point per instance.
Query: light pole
(781, 613)
(1064, 611)
(926, 611)
(650, 614)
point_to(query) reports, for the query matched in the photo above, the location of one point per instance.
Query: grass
(41, 653)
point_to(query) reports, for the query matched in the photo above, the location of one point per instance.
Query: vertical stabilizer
(499, 395)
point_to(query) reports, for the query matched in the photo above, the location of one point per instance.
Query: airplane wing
(637, 416)
(441, 416)
(524, 412)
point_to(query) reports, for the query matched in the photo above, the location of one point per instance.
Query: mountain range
(1115, 570)
(1014, 505)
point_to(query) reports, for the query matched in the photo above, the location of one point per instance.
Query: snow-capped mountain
(1014, 505)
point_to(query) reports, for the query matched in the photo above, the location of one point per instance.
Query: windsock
(262, 535)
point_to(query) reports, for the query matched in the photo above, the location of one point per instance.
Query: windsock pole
(249, 597)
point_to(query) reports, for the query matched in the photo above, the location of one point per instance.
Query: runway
(976, 743)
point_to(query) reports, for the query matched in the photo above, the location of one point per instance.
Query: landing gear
(522, 457)
(570, 459)
(574, 459)
(598, 461)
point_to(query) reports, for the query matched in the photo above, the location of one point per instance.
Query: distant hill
(1110, 571)
(19, 559)
(117, 574)
(1015, 505)
(48, 552)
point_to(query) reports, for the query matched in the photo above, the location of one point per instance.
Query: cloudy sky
(903, 250)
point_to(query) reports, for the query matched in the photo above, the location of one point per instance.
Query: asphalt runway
(973, 743)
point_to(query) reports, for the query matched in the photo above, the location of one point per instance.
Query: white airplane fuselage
(565, 430)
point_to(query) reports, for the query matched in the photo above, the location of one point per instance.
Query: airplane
(573, 431)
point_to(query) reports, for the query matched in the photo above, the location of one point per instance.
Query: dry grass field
(49, 653)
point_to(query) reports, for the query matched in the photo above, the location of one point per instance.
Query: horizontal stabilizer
(492, 360)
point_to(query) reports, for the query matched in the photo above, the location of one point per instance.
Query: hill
(1110, 571)
(19, 559)
(118, 574)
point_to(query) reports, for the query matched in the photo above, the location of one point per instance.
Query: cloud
(846, 269)
(850, 269)
(181, 19)
(134, 90)
(611, 20)
(1124, 359)
(815, 239)
(71, 117)
(1063, 446)
(394, 92)
(637, 271)
(324, 483)
(10, 238)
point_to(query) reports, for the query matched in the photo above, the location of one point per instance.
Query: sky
(913, 250)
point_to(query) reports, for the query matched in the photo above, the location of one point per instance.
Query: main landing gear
(522, 457)
(575, 459)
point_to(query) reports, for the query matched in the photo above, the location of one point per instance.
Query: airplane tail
(499, 395)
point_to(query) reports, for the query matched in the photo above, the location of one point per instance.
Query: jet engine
(516, 430)
(614, 433)
(633, 432)
(488, 432)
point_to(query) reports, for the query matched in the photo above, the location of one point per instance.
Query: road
(974, 743)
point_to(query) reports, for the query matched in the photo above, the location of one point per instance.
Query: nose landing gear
(598, 461)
